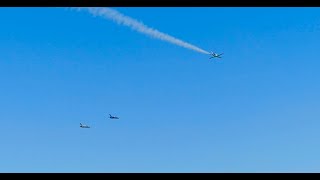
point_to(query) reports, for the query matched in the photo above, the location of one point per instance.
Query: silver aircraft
(84, 126)
(215, 55)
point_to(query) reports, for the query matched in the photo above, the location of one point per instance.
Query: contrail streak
(138, 26)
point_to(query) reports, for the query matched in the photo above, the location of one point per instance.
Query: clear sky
(255, 110)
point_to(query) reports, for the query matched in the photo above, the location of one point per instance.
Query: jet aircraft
(215, 55)
(113, 117)
(84, 126)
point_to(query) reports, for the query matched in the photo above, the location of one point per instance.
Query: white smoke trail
(139, 27)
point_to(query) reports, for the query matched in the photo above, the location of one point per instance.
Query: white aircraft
(215, 55)
(84, 126)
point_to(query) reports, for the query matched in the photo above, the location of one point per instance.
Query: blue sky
(256, 110)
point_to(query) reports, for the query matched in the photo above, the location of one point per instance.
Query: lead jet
(215, 55)
(84, 126)
(113, 117)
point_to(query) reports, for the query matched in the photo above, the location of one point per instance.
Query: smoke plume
(138, 26)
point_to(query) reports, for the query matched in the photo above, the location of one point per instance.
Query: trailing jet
(113, 117)
(215, 55)
(84, 126)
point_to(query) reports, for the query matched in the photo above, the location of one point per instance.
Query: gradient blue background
(257, 110)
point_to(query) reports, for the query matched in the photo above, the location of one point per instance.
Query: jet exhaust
(138, 26)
